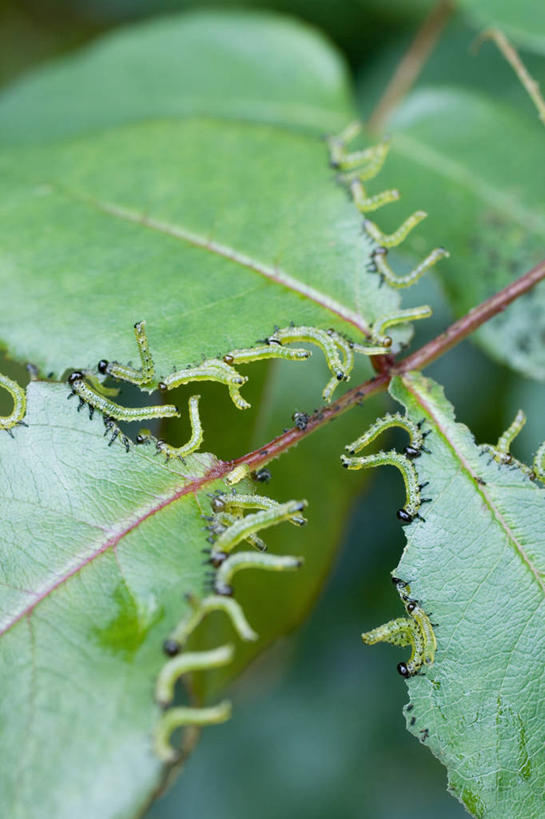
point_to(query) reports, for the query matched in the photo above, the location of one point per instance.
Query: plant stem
(416, 361)
(411, 65)
(517, 65)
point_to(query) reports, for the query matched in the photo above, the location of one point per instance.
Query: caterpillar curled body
(182, 717)
(213, 369)
(360, 166)
(219, 523)
(184, 664)
(230, 509)
(416, 436)
(199, 610)
(399, 282)
(222, 582)
(235, 501)
(412, 488)
(18, 410)
(94, 400)
(124, 372)
(393, 319)
(255, 522)
(195, 439)
(403, 462)
(263, 352)
(338, 351)
(501, 452)
(415, 630)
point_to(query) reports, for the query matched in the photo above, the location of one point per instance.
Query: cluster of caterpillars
(339, 354)
(415, 630)
(403, 461)
(234, 518)
(357, 167)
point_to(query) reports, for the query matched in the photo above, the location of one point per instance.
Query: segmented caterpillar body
(415, 630)
(18, 411)
(228, 511)
(124, 372)
(403, 462)
(358, 167)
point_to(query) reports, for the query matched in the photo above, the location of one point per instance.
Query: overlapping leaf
(213, 228)
(477, 564)
(471, 163)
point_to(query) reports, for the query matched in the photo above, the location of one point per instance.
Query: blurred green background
(317, 729)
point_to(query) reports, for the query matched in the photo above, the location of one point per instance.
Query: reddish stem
(416, 361)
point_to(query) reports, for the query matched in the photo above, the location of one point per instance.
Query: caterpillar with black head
(403, 462)
(233, 527)
(415, 630)
(501, 452)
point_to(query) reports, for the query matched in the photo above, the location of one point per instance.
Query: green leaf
(523, 21)
(472, 165)
(94, 564)
(240, 66)
(477, 565)
(213, 229)
(216, 216)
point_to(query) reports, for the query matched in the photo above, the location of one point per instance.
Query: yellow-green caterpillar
(213, 369)
(230, 508)
(94, 400)
(190, 446)
(501, 452)
(18, 396)
(250, 524)
(143, 377)
(416, 631)
(403, 462)
(361, 166)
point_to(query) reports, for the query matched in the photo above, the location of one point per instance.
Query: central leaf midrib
(110, 540)
(271, 273)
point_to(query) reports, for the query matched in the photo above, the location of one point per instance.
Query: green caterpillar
(228, 511)
(359, 167)
(404, 462)
(18, 411)
(416, 631)
(194, 442)
(501, 452)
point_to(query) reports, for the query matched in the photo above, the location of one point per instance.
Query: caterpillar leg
(18, 411)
